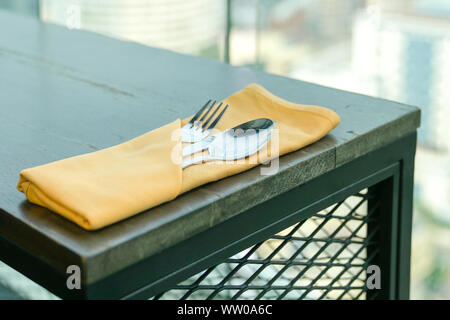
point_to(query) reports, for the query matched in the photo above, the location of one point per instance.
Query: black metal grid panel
(323, 257)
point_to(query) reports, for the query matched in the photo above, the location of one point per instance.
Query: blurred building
(405, 57)
(193, 27)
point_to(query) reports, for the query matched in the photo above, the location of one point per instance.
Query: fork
(197, 128)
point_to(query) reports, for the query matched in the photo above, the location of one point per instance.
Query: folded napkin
(100, 188)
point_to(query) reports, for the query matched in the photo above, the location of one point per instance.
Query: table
(65, 93)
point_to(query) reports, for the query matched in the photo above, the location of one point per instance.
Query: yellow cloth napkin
(100, 188)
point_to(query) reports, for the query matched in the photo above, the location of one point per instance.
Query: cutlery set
(236, 143)
(197, 128)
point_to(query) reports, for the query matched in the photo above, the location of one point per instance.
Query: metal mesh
(323, 257)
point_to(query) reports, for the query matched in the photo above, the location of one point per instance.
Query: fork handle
(196, 147)
(188, 162)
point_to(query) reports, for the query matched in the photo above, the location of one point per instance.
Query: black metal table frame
(387, 173)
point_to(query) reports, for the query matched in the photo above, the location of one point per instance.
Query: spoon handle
(188, 162)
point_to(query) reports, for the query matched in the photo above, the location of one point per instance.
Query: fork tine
(213, 125)
(199, 113)
(204, 124)
(206, 113)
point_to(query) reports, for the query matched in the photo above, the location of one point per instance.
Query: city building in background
(397, 50)
(192, 27)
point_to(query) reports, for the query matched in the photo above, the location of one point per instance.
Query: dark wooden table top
(64, 93)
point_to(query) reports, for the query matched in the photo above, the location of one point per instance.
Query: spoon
(232, 144)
